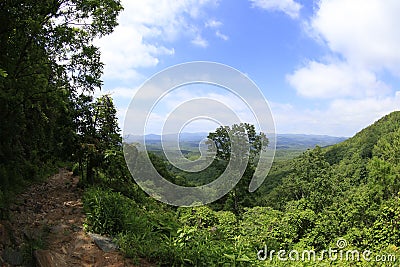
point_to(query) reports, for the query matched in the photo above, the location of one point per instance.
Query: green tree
(249, 144)
(386, 229)
(310, 178)
(48, 63)
(384, 167)
(100, 139)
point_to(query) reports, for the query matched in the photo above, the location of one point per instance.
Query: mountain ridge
(284, 141)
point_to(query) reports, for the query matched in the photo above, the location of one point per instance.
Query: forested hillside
(341, 198)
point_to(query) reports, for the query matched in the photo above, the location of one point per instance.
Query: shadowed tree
(48, 66)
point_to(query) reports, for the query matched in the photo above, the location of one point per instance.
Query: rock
(47, 258)
(104, 243)
(13, 257)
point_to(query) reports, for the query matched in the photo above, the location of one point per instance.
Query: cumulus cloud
(146, 32)
(125, 51)
(289, 7)
(364, 35)
(365, 32)
(333, 80)
(362, 40)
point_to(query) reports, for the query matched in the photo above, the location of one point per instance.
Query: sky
(327, 67)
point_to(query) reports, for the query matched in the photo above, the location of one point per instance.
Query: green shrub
(227, 224)
(202, 216)
(107, 212)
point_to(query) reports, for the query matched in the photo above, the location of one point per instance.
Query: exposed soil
(52, 212)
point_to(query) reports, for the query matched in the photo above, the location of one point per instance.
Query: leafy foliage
(243, 140)
(311, 202)
(48, 67)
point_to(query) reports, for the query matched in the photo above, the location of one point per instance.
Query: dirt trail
(52, 212)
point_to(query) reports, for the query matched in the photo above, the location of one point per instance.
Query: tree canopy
(49, 69)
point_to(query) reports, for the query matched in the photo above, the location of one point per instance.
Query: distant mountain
(153, 138)
(304, 141)
(284, 141)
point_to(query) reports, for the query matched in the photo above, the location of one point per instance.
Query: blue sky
(325, 67)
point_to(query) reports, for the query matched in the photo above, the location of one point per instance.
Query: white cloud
(362, 38)
(124, 51)
(145, 33)
(333, 80)
(187, 93)
(213, 23)
(122, 92)
(341, 117)
(221, 36)
(365, 32)
(200, 41)
(289, 7)
(186, 103)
